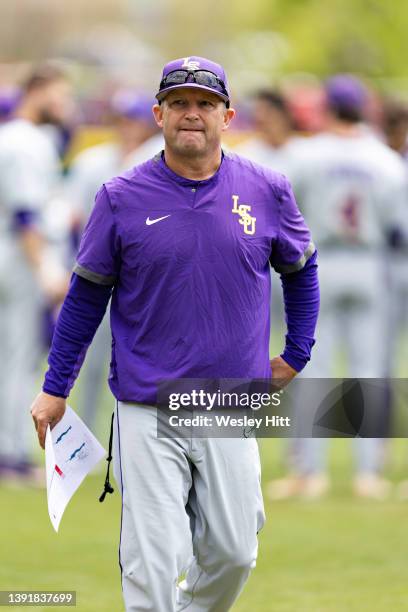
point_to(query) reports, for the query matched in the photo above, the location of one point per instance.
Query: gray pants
(190, 507)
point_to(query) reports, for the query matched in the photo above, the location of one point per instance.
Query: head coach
(182, 245)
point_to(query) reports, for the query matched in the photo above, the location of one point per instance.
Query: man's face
(397, 135)
(192, 121)
(54, 102)
(269, 120)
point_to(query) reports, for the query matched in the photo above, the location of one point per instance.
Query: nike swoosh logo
(151, 221)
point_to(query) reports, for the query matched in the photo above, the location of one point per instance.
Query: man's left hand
(282, 371)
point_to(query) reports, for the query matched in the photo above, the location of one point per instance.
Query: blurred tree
(32, 29)
(366, 36)
(259, 40)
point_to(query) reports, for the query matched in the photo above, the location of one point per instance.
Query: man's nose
(192, 111)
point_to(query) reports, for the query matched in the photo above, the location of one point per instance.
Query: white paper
(71, 451)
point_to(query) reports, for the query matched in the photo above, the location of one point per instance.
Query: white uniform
(397, 354)
(146, 151)
(98, 164)
(28, 173)
(351, 191)
(89, 171)
(281, 159)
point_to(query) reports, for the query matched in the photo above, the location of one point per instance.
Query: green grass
(329, 556)
(335, 555)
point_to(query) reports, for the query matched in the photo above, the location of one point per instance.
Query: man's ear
(158, 114)
(229, 114)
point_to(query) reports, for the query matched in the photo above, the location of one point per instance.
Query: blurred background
(264, 40)
(125, 43)
(335, 535)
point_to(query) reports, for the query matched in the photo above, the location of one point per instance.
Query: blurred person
(351, 189)
(135, 133)
(275, 143)
(183, 243)
(274, 146)
(29, 275)
(306, 100)
(395, 126)
(136, 140)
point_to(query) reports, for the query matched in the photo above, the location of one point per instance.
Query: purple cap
(344, 91)
(193, 64)
(132, 105)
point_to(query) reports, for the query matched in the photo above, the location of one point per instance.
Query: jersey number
(350, 217)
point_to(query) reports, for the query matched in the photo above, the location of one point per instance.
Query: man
(274, 145)
(29, 276)
(136, 141)
(395, 125)
(351, 188)
(396, 134)
(133, 127)
(185, 241)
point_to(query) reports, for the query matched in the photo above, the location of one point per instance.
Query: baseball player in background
(136, 140)
(183, 243)
(275, 144)
(29, 276)
(351, 188)
(396, 135)
(134, 129)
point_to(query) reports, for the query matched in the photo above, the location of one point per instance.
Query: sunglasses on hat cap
(204, 79)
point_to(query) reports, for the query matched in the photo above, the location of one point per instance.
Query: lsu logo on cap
(246, 220)
(190, 64)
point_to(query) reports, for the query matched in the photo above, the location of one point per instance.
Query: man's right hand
(46, 410)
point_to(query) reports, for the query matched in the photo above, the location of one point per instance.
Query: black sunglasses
(201, 77)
